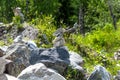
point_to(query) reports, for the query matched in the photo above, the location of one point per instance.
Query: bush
(98, 47)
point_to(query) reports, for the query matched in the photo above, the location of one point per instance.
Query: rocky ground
(23, 60)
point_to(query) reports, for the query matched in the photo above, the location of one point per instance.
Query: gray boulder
(55, 58)
(19, 54)
(100, 73)
(39, 72)
(3, 63)
(3, 76)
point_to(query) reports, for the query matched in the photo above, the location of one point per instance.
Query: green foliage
(98, 47)
(6, 42)
(17, 23)
(2, 43)
(46, 27)
(104, 39)
(95, 12)
(71, 74)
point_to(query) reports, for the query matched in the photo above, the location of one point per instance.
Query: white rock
(3, 48)
(75, 57)
(9, 77)
(31, 44)
(76, 61)
(39, 72)
(18, 39)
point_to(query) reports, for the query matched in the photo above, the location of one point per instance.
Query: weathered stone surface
(3, 77)
(3, 63)
(19, 54)
(30, 33)
(2, 50)
(100, 73)
(58, 41)
(73, 29)
(7, 77)
(31, 45)
(39, 72)
(55, 58)
(76, 61)
(18, 39)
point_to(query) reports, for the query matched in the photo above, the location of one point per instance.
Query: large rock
(19, 54)
(3, 63)
(100, 73)
(7, 77)
(39, 72)
(76, 61)
(55, 58)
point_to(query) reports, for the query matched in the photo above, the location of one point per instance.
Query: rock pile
(56, 59)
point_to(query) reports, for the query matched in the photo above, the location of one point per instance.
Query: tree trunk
(27, 8)
(81, 20)
(112, 15)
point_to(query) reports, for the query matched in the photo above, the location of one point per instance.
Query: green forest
(96, 38)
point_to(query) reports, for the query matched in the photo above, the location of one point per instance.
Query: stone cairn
(17, 12)
(59, 40)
